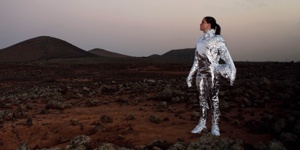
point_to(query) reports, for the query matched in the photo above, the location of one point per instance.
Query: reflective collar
(210, 33)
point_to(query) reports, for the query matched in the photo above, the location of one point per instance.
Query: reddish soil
(55, 128)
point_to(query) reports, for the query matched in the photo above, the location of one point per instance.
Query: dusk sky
(254, 30)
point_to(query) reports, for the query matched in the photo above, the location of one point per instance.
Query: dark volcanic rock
(154, 119)
(211, 142)
(157, 144)
(92, 102)
(276, 145)
(22, 146)
(80, 142)
(177, 146)
(130, 117)
(259, 146)
(288, 137)
(57, 105)
(106, 146)
(106, 119)
(279, 125)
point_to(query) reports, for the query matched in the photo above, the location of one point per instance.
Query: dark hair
(213, 23)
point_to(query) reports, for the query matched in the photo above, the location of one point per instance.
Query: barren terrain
(132, 105)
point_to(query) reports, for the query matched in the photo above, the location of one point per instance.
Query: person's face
(204, 26)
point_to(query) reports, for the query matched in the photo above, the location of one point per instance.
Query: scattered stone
(209, 141)
(288, 137)
(106, 119)
(276, 145)
(177, 146)
(74, 122)
(259, 146)
(86, 89)
(130, 117)
(106, 146)
(105, 102)
(165, 95)
(170, 108)
(122, 101)
(154, 119)
(279, 125)
(23, 146)
(92, 102)
(81, 142)
(265, 81)
(55, 148)
(98, 127)
(175, 99)
(157, 144)
(151, 81)
(57, 105)
(110, 146)
(120, 137)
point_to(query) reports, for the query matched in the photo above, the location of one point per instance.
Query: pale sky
(254, 30)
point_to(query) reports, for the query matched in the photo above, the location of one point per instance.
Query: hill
(105, 53)
(41, 48)
(181, 55)
(53, 50)
(174, 56)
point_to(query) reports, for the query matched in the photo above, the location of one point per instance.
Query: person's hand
(189, 84)
(189, 81)
(232, 79)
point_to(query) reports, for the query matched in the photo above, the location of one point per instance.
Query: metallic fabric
(209, 50)
(202, 122)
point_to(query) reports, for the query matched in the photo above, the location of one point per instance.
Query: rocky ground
(144, 106)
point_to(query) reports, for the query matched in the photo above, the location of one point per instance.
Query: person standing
(210, 49)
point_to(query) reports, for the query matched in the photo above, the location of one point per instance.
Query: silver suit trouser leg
(215, 107)
(203, 96)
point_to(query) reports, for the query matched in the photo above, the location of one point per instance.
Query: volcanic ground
(144, 106)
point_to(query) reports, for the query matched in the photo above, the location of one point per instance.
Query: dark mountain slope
(41, 48)
(105, 53)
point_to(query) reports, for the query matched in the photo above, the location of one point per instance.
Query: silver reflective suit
(210, 48)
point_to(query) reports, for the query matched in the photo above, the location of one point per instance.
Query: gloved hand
(232, 79)
(189, 81)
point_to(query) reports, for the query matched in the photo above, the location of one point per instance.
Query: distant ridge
(54, 50)
(181, 55)
(105, 53)
(41, 48)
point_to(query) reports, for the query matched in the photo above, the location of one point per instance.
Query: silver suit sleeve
(227, 70)
(193, 70)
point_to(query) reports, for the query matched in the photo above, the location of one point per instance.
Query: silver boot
(200, 126)
(215, 130)
(202, 122)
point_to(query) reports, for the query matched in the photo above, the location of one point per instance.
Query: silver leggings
(208, 88)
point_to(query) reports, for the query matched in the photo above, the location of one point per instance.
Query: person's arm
(194, 68)
(227, 70)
